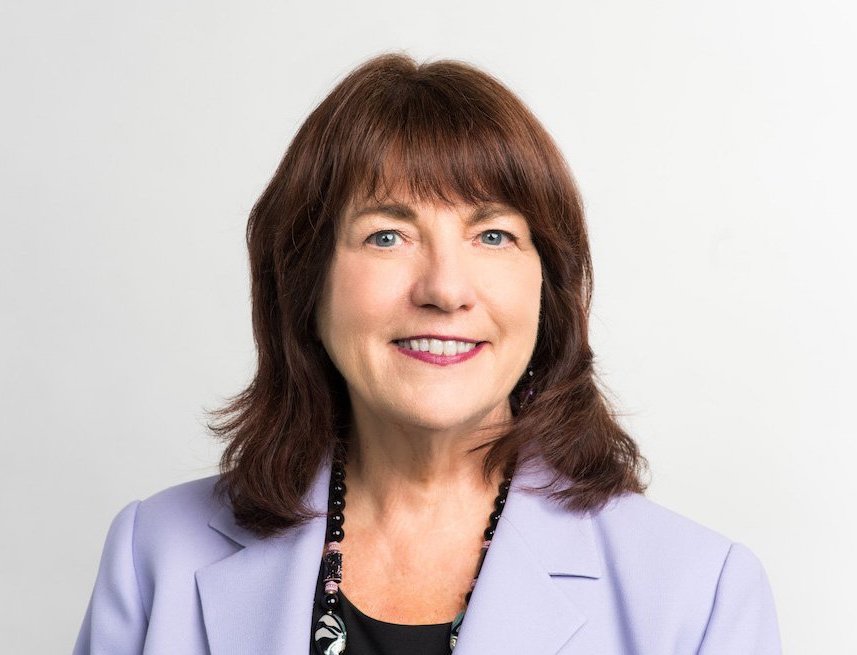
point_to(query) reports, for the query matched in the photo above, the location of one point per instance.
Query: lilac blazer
(179, 577)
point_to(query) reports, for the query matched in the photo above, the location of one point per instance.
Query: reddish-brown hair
(444, 131)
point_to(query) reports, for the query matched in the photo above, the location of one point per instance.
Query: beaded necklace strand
(330, 634)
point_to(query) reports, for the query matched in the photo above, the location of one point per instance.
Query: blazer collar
(517, 606)
(259, 599)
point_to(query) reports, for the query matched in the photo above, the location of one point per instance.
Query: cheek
(358, 299)
(521, 298)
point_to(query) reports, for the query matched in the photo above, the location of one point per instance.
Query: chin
(434, 417)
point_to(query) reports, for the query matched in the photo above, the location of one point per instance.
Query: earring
(527, 384)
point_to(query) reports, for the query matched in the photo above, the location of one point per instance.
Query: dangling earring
(526, 388)
(529, 389)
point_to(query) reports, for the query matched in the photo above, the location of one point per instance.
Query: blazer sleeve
(115, 622)
(743, 619)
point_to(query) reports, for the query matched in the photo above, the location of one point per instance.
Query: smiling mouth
(438, 347)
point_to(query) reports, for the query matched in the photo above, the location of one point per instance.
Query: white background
(714, 146)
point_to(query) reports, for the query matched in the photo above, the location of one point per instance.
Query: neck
(427, 474)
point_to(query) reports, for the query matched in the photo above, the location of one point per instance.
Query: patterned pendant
(456, 626)
(329, 635)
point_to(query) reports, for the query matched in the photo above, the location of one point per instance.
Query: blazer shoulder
(720, 583)
(642, 536)
(653, 523)
(632, 523)
(187, 499)
(180, 509)
(172, 529)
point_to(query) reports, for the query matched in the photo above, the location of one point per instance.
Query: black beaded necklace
(330, 633)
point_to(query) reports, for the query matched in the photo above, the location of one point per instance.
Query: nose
(445, 279)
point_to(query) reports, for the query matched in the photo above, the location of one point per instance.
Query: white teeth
(436, 346)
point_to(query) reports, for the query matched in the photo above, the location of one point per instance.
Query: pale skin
(416, 503)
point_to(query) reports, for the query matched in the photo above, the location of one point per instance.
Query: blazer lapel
(517, 606)
(259, 600)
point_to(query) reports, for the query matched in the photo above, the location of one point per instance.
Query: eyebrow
(404, 212)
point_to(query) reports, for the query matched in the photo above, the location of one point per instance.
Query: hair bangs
(426, 146)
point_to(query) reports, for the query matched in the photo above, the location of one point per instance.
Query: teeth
(436, 346)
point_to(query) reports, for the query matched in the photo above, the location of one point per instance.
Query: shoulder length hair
(445, 131)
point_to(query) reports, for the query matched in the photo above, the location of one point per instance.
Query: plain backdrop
(714, 145)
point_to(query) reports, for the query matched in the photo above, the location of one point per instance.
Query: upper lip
(440, 337)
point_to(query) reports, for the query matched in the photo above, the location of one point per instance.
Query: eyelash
(510, 236)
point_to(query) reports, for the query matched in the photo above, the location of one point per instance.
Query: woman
(425, 414)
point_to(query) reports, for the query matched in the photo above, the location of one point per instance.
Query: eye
(383, 239)
(494, 237)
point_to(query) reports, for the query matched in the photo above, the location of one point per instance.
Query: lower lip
(440, 360)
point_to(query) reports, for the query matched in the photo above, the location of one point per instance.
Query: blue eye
(496, 236)
(387, 237)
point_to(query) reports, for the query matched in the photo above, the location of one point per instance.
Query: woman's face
(404, 272)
